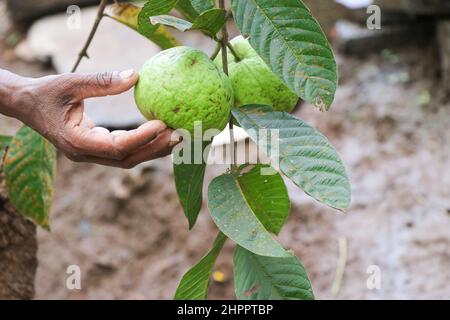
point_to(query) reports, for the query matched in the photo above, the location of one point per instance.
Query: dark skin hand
(54, 107)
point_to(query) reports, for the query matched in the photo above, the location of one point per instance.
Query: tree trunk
(18, 250)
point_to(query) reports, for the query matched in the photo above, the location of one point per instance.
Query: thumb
(103, 83)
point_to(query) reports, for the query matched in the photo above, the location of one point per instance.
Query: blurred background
(390, 123)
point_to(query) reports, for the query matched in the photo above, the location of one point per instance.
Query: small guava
(182, 85)
(253, 82)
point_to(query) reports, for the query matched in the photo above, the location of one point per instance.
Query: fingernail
(126, 74)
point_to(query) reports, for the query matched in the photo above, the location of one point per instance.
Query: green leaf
(305, 155)
(189, 184)
(266, 195)
(267, 278)
(234, 217)
(187, 10)
(30, 166)
(4, 144)
(202, 5)
(209, 22)
(292, 43)
(127, 14)
(194, 284)
(153, 8)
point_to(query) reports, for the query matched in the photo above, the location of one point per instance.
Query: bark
(18, 250)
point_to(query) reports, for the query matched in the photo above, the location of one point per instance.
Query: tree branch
(83, 53)
(224, 42)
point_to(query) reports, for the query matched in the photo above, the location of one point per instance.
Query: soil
(128, 234)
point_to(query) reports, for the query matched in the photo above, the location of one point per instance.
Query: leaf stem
(224, 42)
(83, 53)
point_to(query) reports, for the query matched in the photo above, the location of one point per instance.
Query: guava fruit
(253, 82)
(182, 85)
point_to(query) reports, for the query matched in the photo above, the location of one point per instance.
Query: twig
(340, 269)
(224, 42)
(83, 53)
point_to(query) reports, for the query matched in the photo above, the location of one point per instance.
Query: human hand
(53, 106)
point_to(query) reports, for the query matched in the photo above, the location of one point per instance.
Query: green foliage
(194, 284)
(266, 194)
(4, 144)
(187, 10)
(30, 166)
(235, 218)
(268, 278)
(305, 155)
(210, 22)
(189, 184)
(291, 42)
(127, 14)
(202, 5)
(155, 8)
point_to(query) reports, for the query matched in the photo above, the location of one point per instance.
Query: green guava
(253, 82)
(180, 86)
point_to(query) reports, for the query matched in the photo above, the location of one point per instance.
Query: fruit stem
(83, 52)
(224, 42)
(217, 50)
(233, 52)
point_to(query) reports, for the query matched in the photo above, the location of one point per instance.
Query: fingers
(99, 142)
(160, 147)
(83, 86)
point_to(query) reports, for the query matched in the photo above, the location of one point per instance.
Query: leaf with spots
(29, 169)
(266, 194)
(235, 218)
(304, 155)
(209, 22)
(292, 43)
(194, 284)
(127, 14)
(268, 278)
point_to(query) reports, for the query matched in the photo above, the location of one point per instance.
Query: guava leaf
(268, 278)
(150, 9)
(187, 10)
(202, 5)
(189, 184)
(29, 169)
(305, 155)
(4, 144)
(127, 14)
(209, 22)
(292, 43)
(266, 195)
(235, 218)
(194, 284)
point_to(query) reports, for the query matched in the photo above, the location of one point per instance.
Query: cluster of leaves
(247, 207)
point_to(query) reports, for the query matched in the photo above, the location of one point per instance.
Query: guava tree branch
(83, 53)
(224, 43)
